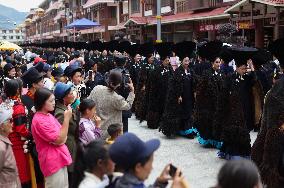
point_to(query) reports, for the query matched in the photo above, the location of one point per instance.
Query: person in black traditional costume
(143, 82)
(177, 116)
(158, 84)
(226, 57)
(210, 100)
(268, 149)
(34, 80)
(240, 120)
(201, 64)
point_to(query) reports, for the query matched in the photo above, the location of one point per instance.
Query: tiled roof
(187, 16)
(271, 2)
(54, 6)
(91, 3)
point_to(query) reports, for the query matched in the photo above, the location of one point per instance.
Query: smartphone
(173, 170)
(90, 74)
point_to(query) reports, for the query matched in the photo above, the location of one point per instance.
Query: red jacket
(18, 137)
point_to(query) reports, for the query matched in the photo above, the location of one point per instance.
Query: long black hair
(87, 159)
(11, 88)
(41, 96)
(238, 173)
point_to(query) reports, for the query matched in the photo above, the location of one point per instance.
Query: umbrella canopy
(5, 45)
(82, 24)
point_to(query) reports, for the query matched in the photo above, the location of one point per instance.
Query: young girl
(88, 130)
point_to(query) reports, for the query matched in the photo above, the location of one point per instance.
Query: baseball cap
(61, 89)
(129, 150)
(38, 59)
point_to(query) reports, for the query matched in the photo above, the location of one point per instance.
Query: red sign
(208, 27)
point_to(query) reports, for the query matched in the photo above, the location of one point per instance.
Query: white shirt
(92, 181)
(48, 84)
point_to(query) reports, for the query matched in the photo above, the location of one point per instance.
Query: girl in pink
(88, 129)
(50, 137)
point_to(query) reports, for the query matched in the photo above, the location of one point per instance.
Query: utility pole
(159, 17)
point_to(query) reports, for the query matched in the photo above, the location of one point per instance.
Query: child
(88, 130)
(114, 130)
(9, 176)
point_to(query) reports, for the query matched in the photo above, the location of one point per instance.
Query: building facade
(257, 20)
(12, 35)
(261, 21)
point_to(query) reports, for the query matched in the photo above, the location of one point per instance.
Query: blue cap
(46, 68)
(61, 89)
(129, 150)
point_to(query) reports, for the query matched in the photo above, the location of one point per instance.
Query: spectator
(114, 131)
(239, 173)
(9, 177)
(48, 83)
(64, 98)
(109, 104)
(136, 158)
(20, 131)
(93, 166)
(88, 131)
(50, 138)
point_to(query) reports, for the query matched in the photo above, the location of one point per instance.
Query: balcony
(204, 4)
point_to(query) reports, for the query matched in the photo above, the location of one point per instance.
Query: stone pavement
(199, 165)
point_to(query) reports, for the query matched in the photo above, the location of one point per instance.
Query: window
(135, 6)
(181, 6)
(3, 31)
(165, 3)
(11, 37)
(18, 37)
(10, 31)
(4, 37)
(149, 5)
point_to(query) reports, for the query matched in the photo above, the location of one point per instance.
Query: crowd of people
(64, 112)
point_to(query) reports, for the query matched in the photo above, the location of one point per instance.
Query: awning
(246, 3)
(275, 3)
(117, 27)
(236, 7)
(55, 6)
(217, 13)
(91, 3)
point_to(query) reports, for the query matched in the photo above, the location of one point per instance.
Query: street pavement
(199, 165)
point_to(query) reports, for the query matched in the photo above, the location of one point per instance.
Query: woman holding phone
(50, 137)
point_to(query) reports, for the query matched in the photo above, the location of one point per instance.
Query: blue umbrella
(82, 24)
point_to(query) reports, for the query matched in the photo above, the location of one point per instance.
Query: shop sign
(208, 27)
(245, 25)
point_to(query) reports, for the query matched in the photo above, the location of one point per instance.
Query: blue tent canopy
(82, 24)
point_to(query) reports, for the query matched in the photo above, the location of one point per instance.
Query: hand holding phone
(173, 171)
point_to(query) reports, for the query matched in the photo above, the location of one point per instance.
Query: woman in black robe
(240, 121)
(158, 83)
(268, 149)
(210, 106)
(177, 116)
(143, 88)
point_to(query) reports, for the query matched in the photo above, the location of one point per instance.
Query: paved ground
(199, 165)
